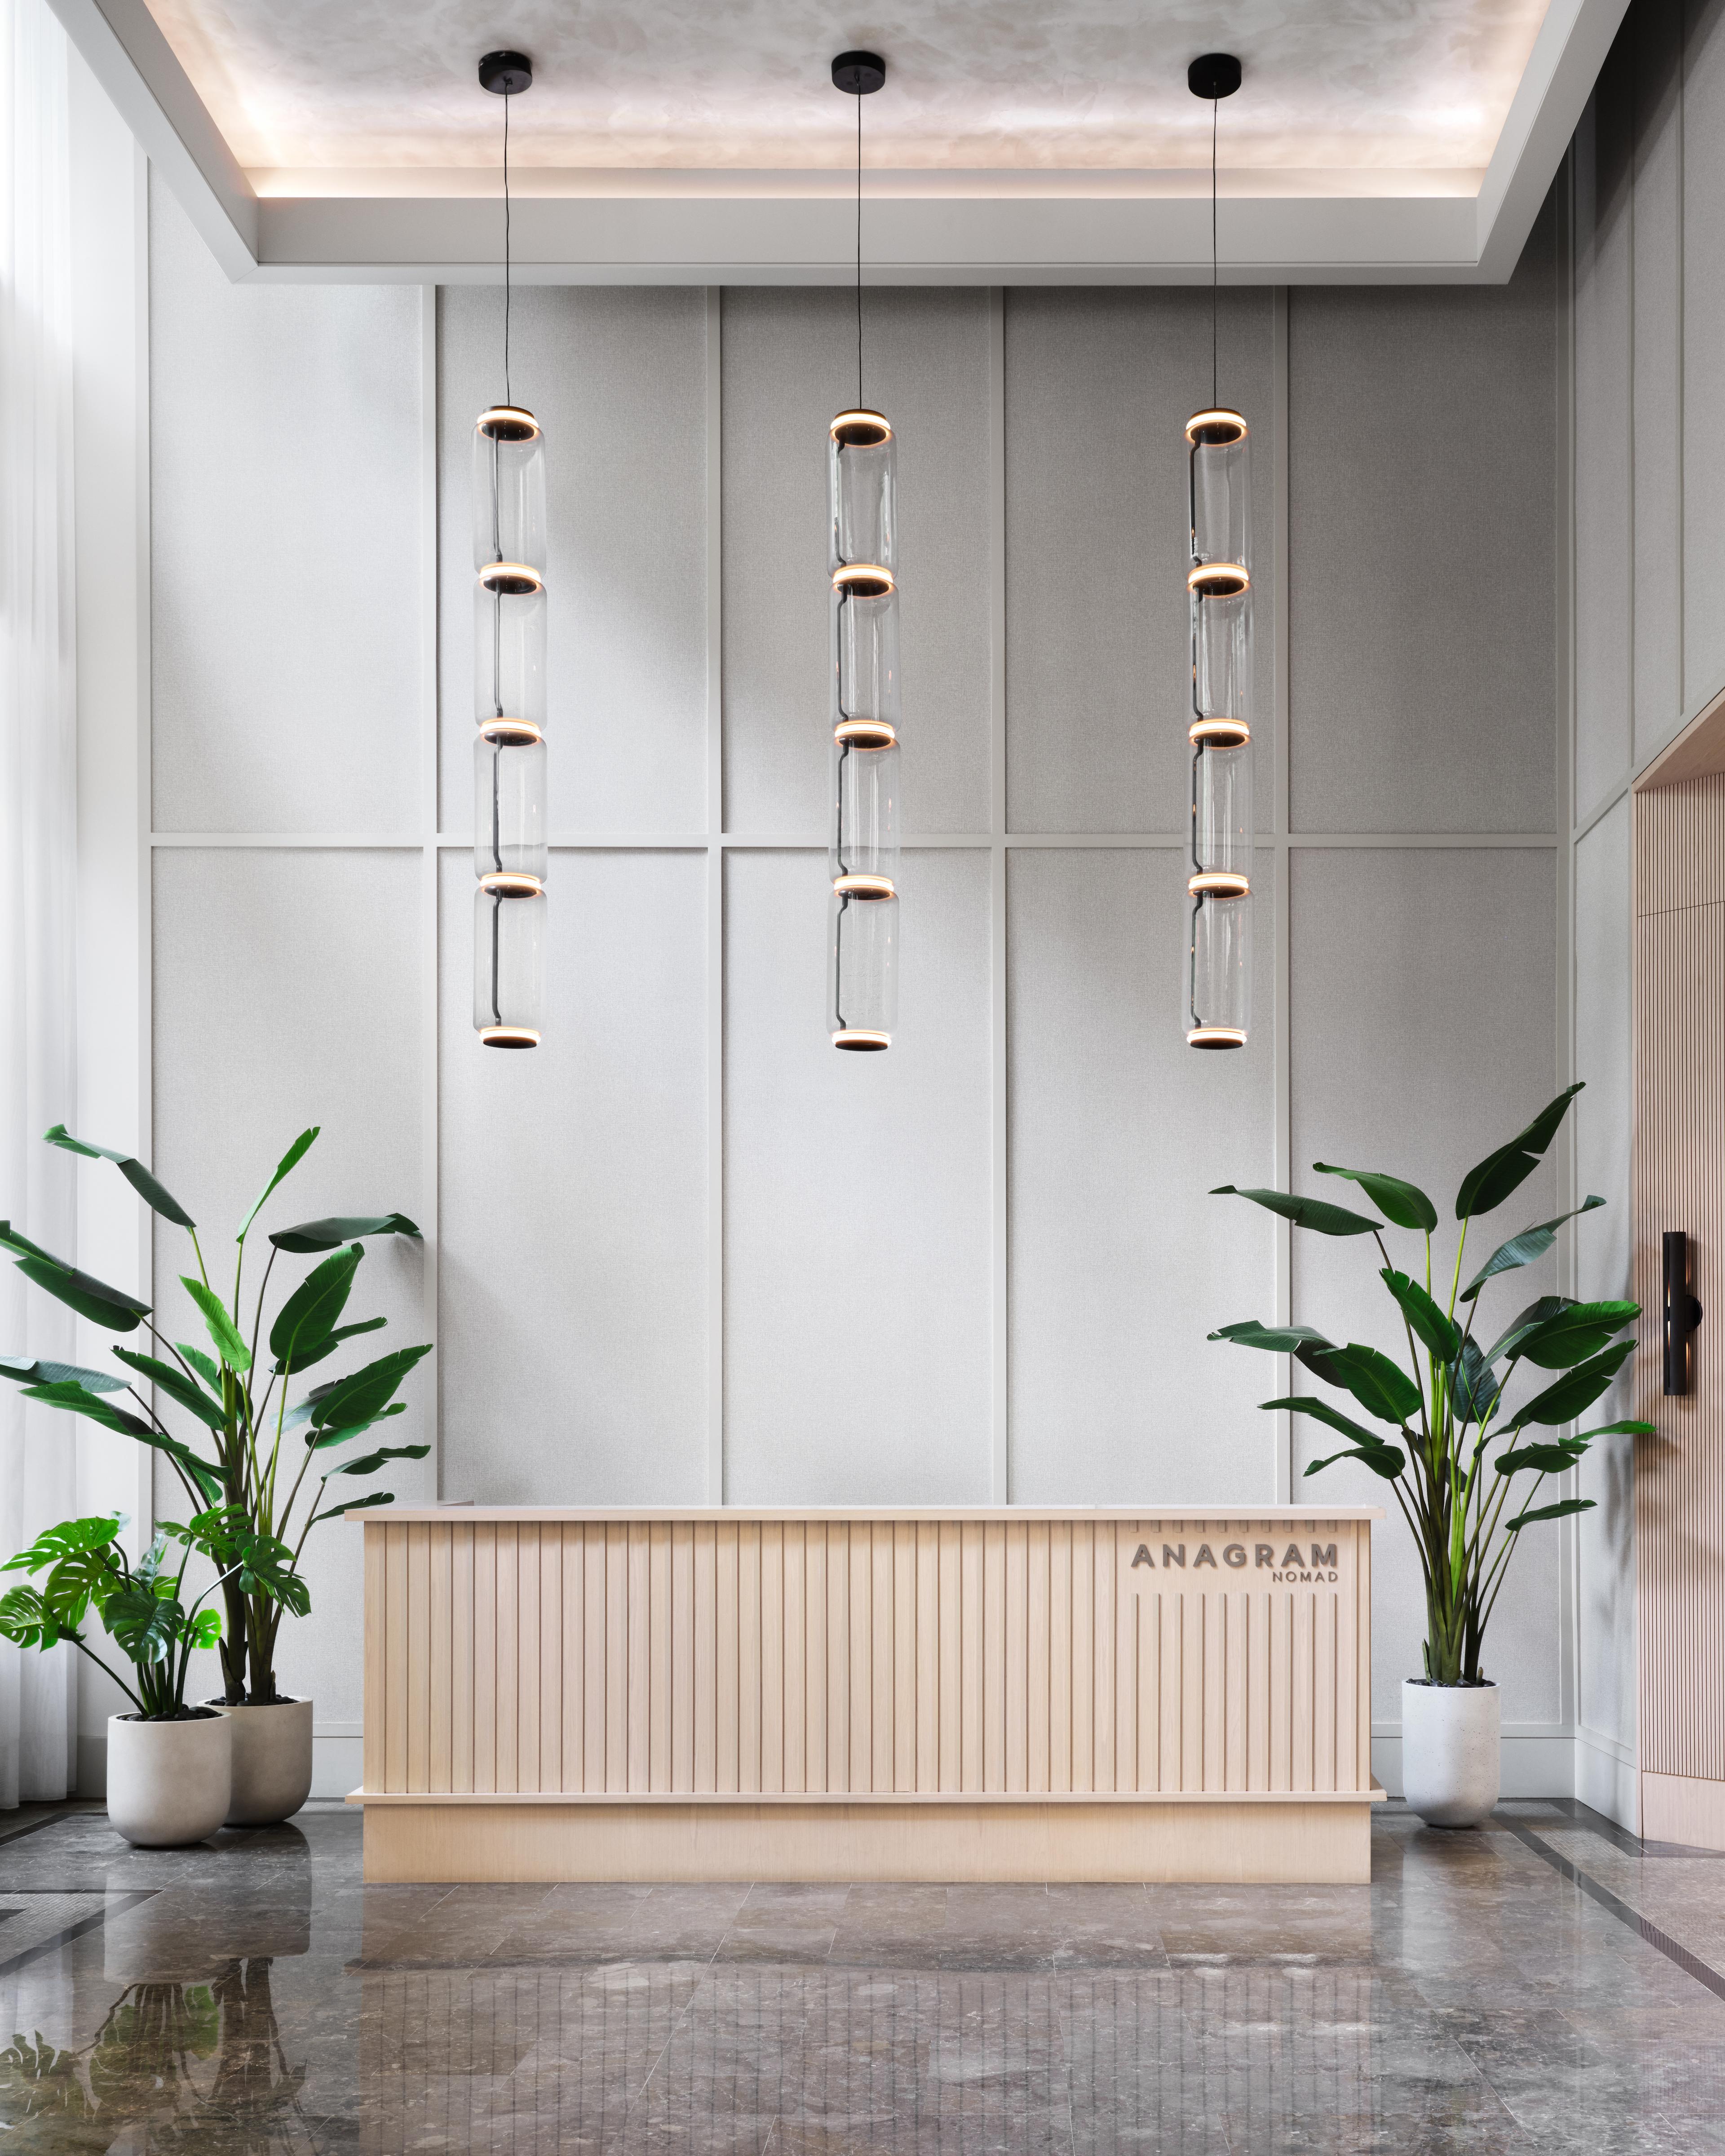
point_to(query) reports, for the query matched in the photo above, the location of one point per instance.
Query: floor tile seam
(639, 2096)
(1674, 1951)
(69, 1933)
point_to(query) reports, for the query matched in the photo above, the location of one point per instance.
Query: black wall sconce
(1682, 1312)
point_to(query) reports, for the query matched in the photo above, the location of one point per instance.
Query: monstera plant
(245, 1449)
(1466, 1461)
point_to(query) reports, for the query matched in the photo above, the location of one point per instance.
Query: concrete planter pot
(1451, 1759)
(272, 1761)
(169, 1782)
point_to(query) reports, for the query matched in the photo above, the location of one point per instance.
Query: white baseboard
(1532, 1766)
(1605, 1777)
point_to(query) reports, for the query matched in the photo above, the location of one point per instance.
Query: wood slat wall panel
(1679, 1182)
(875, 1657)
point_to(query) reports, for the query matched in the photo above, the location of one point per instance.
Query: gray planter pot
(1451, 1758)
(272, 1762)
(169, 1782)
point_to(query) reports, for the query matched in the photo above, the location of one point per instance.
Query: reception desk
(589, 1693)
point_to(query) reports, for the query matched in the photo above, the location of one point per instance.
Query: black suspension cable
(508, 397)
(1215, 107)
(859, 252)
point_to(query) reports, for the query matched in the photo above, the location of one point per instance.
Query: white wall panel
(1422, 986)
(1121, 1263)
(573, 1197)
(1704, 414)
(287, 993)
(789, 364)
(618, 379)
(1099, 385)
(857, 1200)
(1421, 493)
(285, 547)
(1605, 317)
(1604, 1269)
(1656, 49)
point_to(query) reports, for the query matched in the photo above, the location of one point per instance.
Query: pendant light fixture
(510, 855)
(1217, 974)
(862, 971)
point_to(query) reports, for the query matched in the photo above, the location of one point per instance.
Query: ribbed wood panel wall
(656, 1656)
(1680, 1182)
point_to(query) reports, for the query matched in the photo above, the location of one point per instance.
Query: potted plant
(246, 1450)
(1461, 1453)
(169, 1765)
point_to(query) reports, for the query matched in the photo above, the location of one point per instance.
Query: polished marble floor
(1545, 1983)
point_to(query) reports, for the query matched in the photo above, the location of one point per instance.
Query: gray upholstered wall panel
(618, 377)
(1099, 385)
(1421, 1036)
(1657, 50)
(1121, 1262)
(1603, 1249)
(1604, 509)
(287, 993)
(790, 363)
(857, 1200)
(1703, 418)
(1421, 490)
(286, 634)
(573, 1197)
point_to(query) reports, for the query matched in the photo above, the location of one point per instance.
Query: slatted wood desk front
(960, 1694)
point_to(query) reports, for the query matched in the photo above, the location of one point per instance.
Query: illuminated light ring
(507, 422)
(863, 887)
(509, 1036)
(861, 1038)
(1218, 580)
(1218, 428)
(1219, 733)
(1215, 1036)
(1219, 883)
(510, 883)
(861, 429)
(865, 734)
(515, 580)
(511, 733)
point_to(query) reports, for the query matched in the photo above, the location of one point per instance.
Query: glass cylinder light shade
(508, 489)
(1217, 989)
(509, 773)
(862, 970)
(509, 654)
(509, 961)
(1221, 812)
(861, 455)
(1222, 668)
(1221, 488)
(865, 811)
(865, 654)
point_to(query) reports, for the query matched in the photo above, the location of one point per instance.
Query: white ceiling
(701, 140)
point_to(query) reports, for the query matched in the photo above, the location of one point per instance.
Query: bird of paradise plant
(1462, 1454)
(266, 1454)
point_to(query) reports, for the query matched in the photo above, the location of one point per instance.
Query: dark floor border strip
(1691, 1964)
(1632, 1845)
(116, 1905)
(35, 1826)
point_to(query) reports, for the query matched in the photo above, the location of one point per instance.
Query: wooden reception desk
(954, 1694)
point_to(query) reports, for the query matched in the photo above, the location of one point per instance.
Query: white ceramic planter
(1451, 1763)
(169, 1782)
(272, 1761)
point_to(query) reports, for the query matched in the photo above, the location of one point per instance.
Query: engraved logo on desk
(1300, 1565)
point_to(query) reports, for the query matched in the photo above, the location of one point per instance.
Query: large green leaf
(1385, 1460)
(68, 1394)
(176, 1385)
(1277, 1339)
(1524, 1322)
(1576, 1390)
(1404, 1205)
(83, 1292)
(54, 1545)
(1617, 1429)
(1500, 1174)
(289, 1160)
(205, 1369)
(1473, 1387)
(1523, 1248)
(326, 1440)
(326, 1234)
(1547, 1459)
(135, 1172)
(1440, 1334)
(1308, 1403)
(145, 1623)
(353, 1505)
(223, 1331)
(27, 1622)
(310, 1312)
(1569, 1336)
(1314, 1213)
(24, 1370)
(373, 1461)
(1382, 1388)
(308, 1358)
(1558, 1512)
(360, 1397)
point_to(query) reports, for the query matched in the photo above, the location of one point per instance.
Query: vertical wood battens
(878, 1657)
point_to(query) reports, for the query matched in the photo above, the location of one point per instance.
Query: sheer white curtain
(38, 839)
